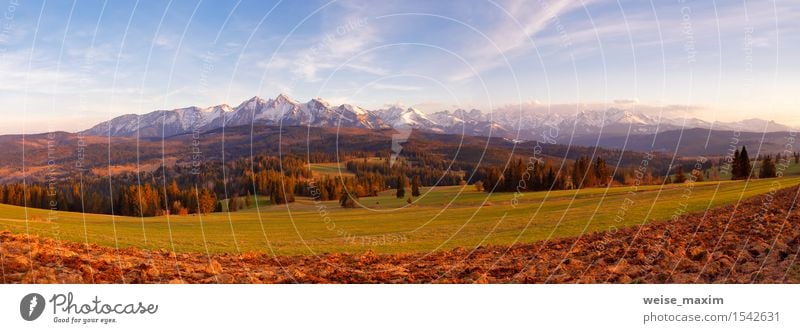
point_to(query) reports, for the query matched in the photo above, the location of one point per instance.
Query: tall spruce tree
(402, 181)
(745, 168)
(767, 168)
(601, 171)
(415, 186)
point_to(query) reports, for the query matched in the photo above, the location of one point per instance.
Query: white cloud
(165, 41)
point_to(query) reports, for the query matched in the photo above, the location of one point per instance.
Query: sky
(66, 65)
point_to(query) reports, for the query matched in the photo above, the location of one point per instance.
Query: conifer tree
(601, 171)
(415, 186)
(767, 168)
(735, 165)
(745, 168)
(401, 186)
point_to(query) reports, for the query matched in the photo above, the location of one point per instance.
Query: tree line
(179, 190)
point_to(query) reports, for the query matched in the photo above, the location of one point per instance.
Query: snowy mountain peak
(217, 108)
(283, 98)
(397, 116)
(254, 99)
(352, 108)
(320, 102)
(285, 111)
(251, 103)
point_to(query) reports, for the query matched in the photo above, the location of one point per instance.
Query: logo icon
(31, 306)
(401, 135)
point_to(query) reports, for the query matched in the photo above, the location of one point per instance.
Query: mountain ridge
(510, 124)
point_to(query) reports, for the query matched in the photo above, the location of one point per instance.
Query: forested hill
(65, 155)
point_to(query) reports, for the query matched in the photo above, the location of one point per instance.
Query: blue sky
(69, 64)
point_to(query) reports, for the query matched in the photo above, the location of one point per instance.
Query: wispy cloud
(514, 34)
(395, 87)
(165, 41)
(336, 47)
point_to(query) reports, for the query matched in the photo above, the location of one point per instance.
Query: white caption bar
(419, 308)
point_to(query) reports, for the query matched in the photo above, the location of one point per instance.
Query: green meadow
(335, 169)
(441, 218)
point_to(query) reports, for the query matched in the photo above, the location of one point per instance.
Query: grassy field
(335, 169)
(330, 169)
(442, 218)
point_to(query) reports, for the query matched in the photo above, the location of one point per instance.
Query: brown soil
(758, 241)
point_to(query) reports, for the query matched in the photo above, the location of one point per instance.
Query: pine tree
(401, 186)
(735, 166)
(601, 171)
(583, 174)
(415, 186)
(492, 180)
(745, 167)
(767, 168)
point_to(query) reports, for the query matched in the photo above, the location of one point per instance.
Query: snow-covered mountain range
(518, 124)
